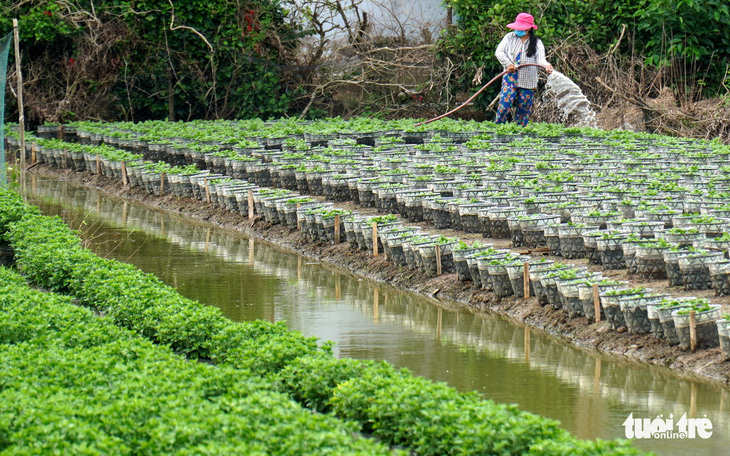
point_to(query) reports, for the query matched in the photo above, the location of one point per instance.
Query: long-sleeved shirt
(507, 51)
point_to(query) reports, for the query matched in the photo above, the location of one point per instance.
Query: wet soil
(446, 290)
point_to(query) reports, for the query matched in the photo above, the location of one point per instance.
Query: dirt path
(707, 365)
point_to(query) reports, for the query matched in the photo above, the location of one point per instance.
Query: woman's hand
(511, 68)
(549, 68)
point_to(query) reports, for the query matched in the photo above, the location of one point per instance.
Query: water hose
(476, 94)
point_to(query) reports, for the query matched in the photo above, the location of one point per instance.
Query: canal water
(591, 395)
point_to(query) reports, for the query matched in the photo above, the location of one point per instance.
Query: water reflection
(591, 395)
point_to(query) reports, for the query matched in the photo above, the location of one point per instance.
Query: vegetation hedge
(74, 383)
(155, 59)
(397, 407)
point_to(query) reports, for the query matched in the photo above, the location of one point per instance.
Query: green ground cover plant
(75, 383)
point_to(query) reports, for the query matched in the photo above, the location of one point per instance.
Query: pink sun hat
(523, 21)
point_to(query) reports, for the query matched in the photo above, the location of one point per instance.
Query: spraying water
(570, 99)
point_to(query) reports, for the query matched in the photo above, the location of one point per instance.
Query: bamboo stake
(125, 180)
(375, 239)
(692, 330)
(207, 190)
(98, 164)
(438, 260)
(33, 152)
(21, 107)
(250, 204)
(60, 131)
(162, 184)
(526, 280)
(596, 302)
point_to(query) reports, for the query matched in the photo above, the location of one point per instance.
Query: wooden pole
(692, 330)
(299, 222)
(21, 107)
(337, 228)
(125, 180)
(60, 131)
(162, 183)
(375, 239)
(526, 279)
(207, 190)
(438, 260)
(596, 302)
(33, 152)
(98, 164)
(250, 204)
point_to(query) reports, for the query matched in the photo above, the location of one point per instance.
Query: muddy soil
(446, 290)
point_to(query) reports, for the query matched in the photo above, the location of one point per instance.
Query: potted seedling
(497, 269)
(706, 315)
(635, 311)
(459, 254)
(610, 248)
(610, 301)
(694, 268)
(650, 259)
(723, 333)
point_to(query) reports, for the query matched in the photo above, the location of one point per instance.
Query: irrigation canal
(591, 395)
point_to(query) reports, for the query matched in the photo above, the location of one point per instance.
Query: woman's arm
(540, 57)
(502, 52)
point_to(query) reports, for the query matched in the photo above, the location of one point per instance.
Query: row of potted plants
(584, 230)
(501, 271)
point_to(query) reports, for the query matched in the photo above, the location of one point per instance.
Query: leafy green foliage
(74, 383)
(311, 380)
(50, 254)
(434, 419)
(12, 209)
(198, 58)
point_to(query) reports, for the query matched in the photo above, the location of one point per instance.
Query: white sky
(388, 16)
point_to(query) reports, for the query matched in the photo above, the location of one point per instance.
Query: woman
(518, 48)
